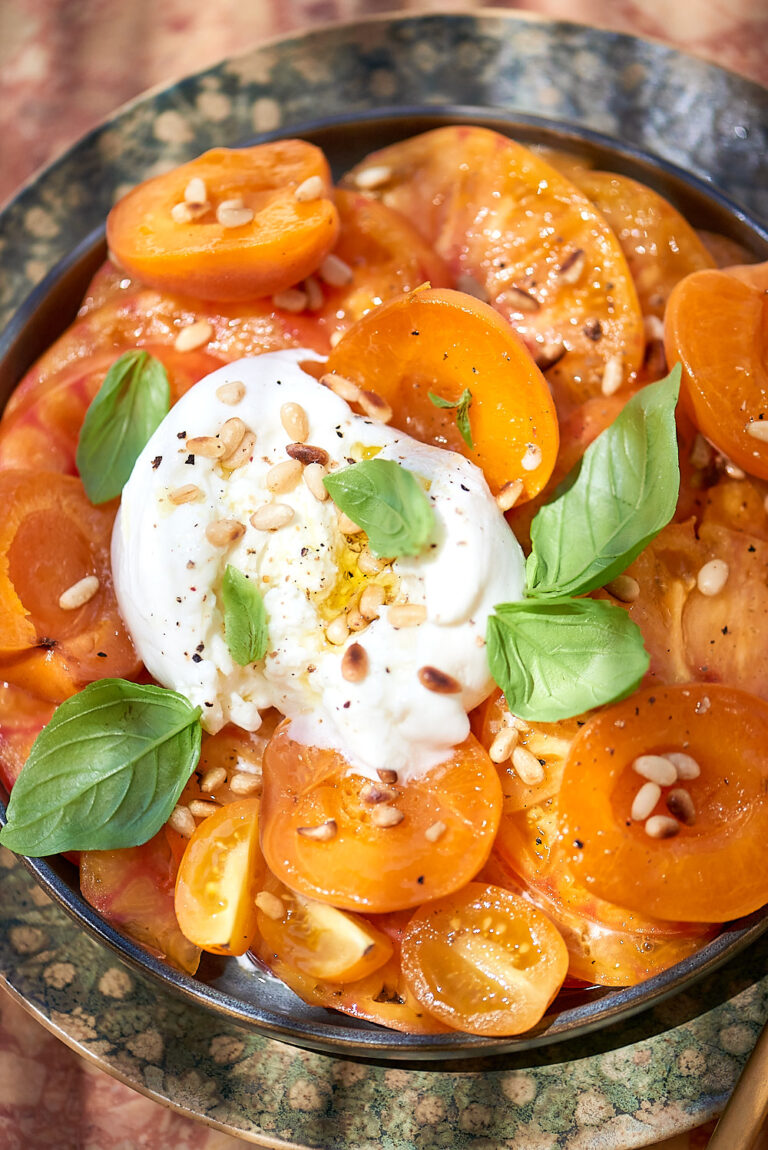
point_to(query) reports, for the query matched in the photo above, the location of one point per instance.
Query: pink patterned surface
(63, 68)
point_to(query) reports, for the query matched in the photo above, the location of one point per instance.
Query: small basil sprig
(462, 406)
(106, 772)
(387, 501)
(613, 503)
(129, 406)
(245, 617)
(556, 659)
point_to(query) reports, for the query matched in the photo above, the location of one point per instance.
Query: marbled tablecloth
(64, 66)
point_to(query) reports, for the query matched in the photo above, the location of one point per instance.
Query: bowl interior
(236, 988)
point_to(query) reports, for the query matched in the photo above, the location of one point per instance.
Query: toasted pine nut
(212, 780)
(371, 601)
(407, 615)
(185, 213)
(231, 393)
(202, 810)
(182, 822)
(373, 793)
(322, 833)
(509, 494)
(306, 453)
(79, 593)
(624, 588)
(189, 493)
(572, 267)
(374, 406)
(337, 631)
(354, 664)
(644, 801)
(341, 386)
(356, 621)
(758, 429)
(314, 294)
(438, 681)
(435, 831)
(373, 177)
(195, 191)
(369, 564)
(686, 765)
(657, 768)
(242, 453)
(613, 375)
(222, 532)
(245, 783)
(272, 516)
(270, 905)
(292, 299)
(712, 577)
(347, 526)
(661, 827)
(313, 476)
(207, 446)
(231, 434)
(503, 744)
(335, 272)
(386, 816)
(283, 476)
(680, 804)
(310, 189)
(532, 458)
(527, 766)
(387, 776)
(231, 216)
(519, 299)
(193, 336)
(295, 422)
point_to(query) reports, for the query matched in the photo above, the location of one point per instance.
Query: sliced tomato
(712, 870)
(484, 961)
(563, 283)
(220, 872)
(133, 889)
(360, 865)
(22, 718)
(725, 363)
(281, 238)
(443, 342)
(51, 538)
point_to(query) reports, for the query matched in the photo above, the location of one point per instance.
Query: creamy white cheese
(168, 575)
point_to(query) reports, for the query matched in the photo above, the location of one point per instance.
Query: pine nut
(231, 434)
(354, 664)
(572, 267)
(527, 766)
(661, 827)
(441, 683)
(321, 834)
(355, 621)
(231, 393)
(202, 810)
(644, 801)
(373, 793)
(79, 593)
(369, 564)
(310, 189)
(272, 516)
(245, 783)
(624, 588)
(407, 615)
(195, 191)
(193, 336)
(341, 386)
(347, 526)
(387, 776)
(680, 804)
(283, 476)
(374, 406)
(230, 216)
(532, 458)
(758, 429)
(306, 453)
(435, 831)
(292, 299)
(222, 532)
(686, 765)
(503, 744)
(242, 453)
(613, 375)
(336, 337)
(212, 780)
(335, 272)
(509, 494)
(732, 470)
(701, 453)
(337, 631)
(519, 299)
(371, 601)
(189, 493)
(653, 329)
(295, 422)
(373, 177)
(182, 822)
(184, 213)
(313, 476)
(712, 577)
(314, 293)
(207, 446)
(386, 816)
(656, 768)
(270, 905)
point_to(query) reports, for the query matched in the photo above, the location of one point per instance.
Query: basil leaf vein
(128, 408)
(559, 658)
(614, 503)
(462, 406)
(245, 617)
(387, 501)
(106, 771)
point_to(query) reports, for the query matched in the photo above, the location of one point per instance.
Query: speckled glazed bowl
(627, 103)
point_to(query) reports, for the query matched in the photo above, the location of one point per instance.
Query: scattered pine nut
(369, 564)
(387, 776)
(374, 406)
(347, 526)
(189, 493)
(222, 532)
(292, 299)
(242, 453)
(662, 827)
(283, 476)
(548, 353)
(712, 577)
(733, 471)
(624, 588)
(386, 816)
(433, 679)
(572, 267)
(195, 191)
(310, 189)
(527, 766)
(532, 458)
(341, 386)
(355, 621)
(270, 905)
(193, 336)
(758, 429)
(184, 213)
(295, 421)
(354, 664)
(272, 516)
(231, 393)
(201, 809)
(520, 300)
(371, 602)
(231, 434)
(233, 214)
(509, 494)
(644, 802)
(407, 615)
(335, 272)
(653, 328)
(322, 833)
(306, 453)
(245, 783)
(680, 804)
(373, 177)
(314, 293)
(686, 766)
(613, 375)
(207, 446)
(503, 744)
(182, 822)
(373, 793)
(79, 593)
(212, 780)
(337, 631)
(435, 831)
(313, 476)
(656, 768)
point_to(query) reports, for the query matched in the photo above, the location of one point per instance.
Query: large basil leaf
(614, 503)
(560, 658)
(129, 406)
(387, 501)
(245, 617)
(106, 772)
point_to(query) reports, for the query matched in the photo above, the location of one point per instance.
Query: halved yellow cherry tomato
(276, 239)
(356, 864)
(484, 961)
(445, 342)
(220, 872)
(316, 939)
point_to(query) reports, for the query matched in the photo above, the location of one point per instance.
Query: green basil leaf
(387, 501)
(560, 658)
(462, 406)
(131, 403)
(614, 503)
(245, 617)
(106, 772)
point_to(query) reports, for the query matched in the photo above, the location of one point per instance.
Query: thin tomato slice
(356, 864)
(725, 364)
(22, 718)
(484, 961)
(443, 342)
(564, 285)
(251, 236)
(133, 889)
(714, 868)
(51, 538)
(220, 872)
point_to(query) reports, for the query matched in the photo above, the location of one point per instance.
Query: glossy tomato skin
(359, 865)
(712, 870)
